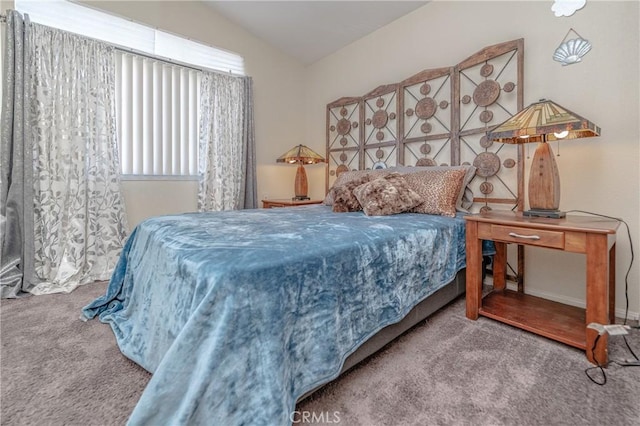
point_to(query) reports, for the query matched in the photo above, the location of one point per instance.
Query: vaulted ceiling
(311, 30)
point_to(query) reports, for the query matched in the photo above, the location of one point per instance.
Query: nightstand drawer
(268, 204)
(528, 236)
(273, 204)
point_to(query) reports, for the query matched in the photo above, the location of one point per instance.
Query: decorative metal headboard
(438, 117)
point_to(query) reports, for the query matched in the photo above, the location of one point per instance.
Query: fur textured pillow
(346, 177)
(465, 197)
(439, 190)
(386, 195)
(343, 198)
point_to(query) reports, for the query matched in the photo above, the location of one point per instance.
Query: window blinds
(157, 108)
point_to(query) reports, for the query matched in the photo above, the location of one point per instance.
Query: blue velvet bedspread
(237, 314)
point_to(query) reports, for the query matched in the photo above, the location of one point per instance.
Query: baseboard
(631, 315)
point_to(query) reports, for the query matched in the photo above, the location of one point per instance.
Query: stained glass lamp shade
(301, 155)
(542, 122)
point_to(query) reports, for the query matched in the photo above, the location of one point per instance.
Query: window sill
(158, 177)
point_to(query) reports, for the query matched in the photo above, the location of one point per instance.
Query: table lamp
(542, 122)
(301, 155)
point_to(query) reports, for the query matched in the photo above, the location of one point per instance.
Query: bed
(240, 314)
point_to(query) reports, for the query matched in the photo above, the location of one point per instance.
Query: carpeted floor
(58, 370)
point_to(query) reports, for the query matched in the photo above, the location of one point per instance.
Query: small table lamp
(302, 155)
(542, 122)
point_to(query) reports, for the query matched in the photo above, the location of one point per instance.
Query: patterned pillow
(386, 195)
(346, 177)
(438, 188)
(465, 196)
(343, 198)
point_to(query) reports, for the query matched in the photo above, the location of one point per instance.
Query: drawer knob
(526, 237)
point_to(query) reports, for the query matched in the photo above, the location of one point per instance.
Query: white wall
(597, 174)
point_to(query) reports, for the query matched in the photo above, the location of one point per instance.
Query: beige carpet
(58, 370)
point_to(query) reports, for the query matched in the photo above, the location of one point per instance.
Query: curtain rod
(156, 58)
(168, 60)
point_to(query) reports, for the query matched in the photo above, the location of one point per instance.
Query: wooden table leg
(474, 270)
(500, 266)
(598, 302)
(612, 284)
(520, 272)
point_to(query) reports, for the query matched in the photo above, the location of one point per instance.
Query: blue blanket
(237, 314)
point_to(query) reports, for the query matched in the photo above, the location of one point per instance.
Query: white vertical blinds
(157, 107)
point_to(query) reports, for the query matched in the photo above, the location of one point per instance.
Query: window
(127, 34)
(157, 85)
(157, 110)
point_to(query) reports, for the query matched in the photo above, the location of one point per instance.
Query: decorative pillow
(465, 196)
(386, 195)
(346, 177)
(438, 188)
(343, 198)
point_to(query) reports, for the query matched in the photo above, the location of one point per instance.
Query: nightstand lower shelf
(547, 318)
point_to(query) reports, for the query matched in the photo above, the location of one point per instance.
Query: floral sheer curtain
(79, 221)
(227, 144)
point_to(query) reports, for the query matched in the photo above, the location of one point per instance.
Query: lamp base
(301, 186)
(554, 214)
(300, 198)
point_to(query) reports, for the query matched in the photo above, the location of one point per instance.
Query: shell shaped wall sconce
(571, 51)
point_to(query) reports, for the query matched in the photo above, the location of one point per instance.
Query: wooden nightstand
(287, 202)
(594, 237)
